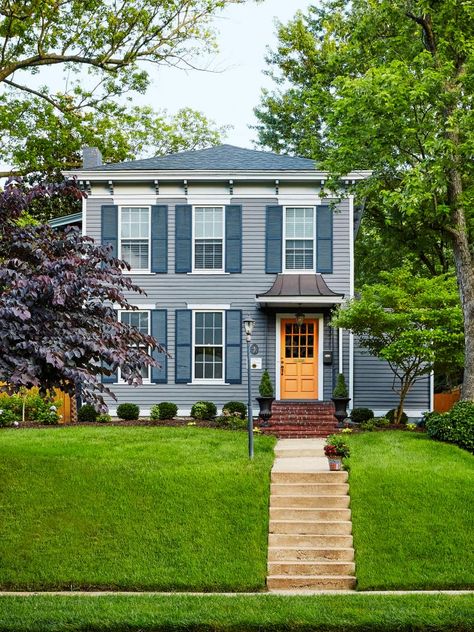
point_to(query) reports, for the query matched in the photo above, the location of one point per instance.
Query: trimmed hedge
(163, 410)
(236, 407)
(87, 412)
(128, 412)
(359, 415)
(203, 410)
(455, 426)
(391, 416)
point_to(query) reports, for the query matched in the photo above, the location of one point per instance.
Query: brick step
(328, 582)
(309, 540)
(299, 527)
(310, 489)
(311, 568)
(310, 502)
(298, 421)
(306, 514)
(297, 434)
(309, 477)
(291, 553)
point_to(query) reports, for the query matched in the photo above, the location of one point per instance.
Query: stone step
(329, 527)
(309, 514)
(298, 433)
(306, 452)
(291, 553)
(328, 582)
(309, 489)
(308, 477)
(311, 568)
(310, 501)
(297, 540)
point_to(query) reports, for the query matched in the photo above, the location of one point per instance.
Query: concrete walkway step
(309, 540)
(308, 553)
(301, 582)
(305, 514)
(309, 489)
(304, 476)
(311, 527)
(310, 501)
(303, 567)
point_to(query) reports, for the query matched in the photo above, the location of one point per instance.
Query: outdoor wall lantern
(299, 318)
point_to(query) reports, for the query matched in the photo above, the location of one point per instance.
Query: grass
(411, 501)
(342, 613)
(140, 508)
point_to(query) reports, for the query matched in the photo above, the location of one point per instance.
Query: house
(217, 235)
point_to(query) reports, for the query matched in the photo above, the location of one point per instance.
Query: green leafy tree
(413, 323)
(388, 86)
(102, 51)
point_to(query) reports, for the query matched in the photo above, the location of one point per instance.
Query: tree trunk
(404, 388)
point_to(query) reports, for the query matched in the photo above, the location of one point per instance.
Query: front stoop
(310, 532)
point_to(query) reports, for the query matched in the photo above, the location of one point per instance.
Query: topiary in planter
(128, 412)
(163, 410)
(266, 387)
(87, 412)
(340, 390)
(203, 410)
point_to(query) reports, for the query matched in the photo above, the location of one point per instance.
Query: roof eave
(283, 301)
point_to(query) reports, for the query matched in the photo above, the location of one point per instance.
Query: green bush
(163, 410)
(104, 418)
(236, 407)
(358, 415)
(49, 417)
(87, 412)
(7, 417)
(391, 416)
(232, 420)
(203, 410)
(455, 426)
(381, 422)
(128, 411)
(340, 390)
(368, 425)
(266, 387)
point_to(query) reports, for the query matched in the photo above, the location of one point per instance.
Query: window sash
(208, 238)
(141, 321)
(208, 346)
(135, 236)
(299, 238)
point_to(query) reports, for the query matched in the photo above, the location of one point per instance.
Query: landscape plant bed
(178, 422)
(143, 508)
(411, 502)
(214, 613)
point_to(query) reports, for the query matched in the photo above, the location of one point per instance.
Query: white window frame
(197, 380)
(135, 270)
(145, 380)
(195, 270)
(284, 238)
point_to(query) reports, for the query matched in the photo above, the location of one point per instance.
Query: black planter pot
(265, 404)
(340, 413)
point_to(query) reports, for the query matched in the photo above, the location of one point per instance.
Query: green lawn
(412, 505)
(269, 613)
(133, 508)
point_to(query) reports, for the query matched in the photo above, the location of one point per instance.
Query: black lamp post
(248, 327)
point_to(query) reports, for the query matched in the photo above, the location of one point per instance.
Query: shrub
(381, 422)
(265, 387)
(368, 425)
(203, 410)
(236, 407)
(391, 416)
(128, 411)
(49, 417)
(163, 410)
(104, 418)
(87, 412)
(358, 415)
(340, 390)
(455, 426)
(232, 420)
(8, 417)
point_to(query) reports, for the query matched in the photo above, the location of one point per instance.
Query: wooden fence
(445, 401)
(66, 407)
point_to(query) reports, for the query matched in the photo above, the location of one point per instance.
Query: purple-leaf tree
(58, 291)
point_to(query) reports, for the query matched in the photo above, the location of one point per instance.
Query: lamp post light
(248, 328)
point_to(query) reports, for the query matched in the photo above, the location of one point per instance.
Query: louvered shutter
(183, 346)
(233, 346)
(273, 239)
(324, 239)
(159, 317)
(233, 238)
(109, 227)
(159, 239)
(183, 238)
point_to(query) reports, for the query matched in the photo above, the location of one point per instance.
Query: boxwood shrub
(236, 407)
(87, 412)
(391, 415)
(455, 426)
(359, 415)
(128, 412)
(203, 410)
(163, 410)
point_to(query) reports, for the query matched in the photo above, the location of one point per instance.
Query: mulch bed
(180, 422)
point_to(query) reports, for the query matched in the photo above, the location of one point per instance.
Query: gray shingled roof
(220, 158)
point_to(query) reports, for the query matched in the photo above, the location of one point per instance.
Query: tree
(413, 323)
(104, 49)
(388, 86)
(58, 328)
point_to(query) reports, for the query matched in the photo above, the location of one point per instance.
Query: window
(299, 238)
(208, 237)
(135, 236)
(208, 345)
(141, 321)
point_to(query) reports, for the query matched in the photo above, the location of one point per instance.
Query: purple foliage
(57, 288)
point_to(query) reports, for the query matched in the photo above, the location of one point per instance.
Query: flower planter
(340, 413)
(335, 463)
(265, 404)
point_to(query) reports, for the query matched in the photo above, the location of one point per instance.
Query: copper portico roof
(300, 288)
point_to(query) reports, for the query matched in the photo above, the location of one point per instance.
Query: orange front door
(299, 359)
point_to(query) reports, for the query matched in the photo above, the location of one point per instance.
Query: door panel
(299, 359)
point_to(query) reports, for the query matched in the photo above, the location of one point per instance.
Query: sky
(229, 96)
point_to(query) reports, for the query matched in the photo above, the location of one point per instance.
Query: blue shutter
(183, 341)
(184, 232)
(233, 238)
(233, 346)
(110, 379)
(324, 239)
(109, 227)
(159, 239)
(159, 317)
(273, 239)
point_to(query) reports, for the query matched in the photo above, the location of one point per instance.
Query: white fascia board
(299, 300)
(147, 175)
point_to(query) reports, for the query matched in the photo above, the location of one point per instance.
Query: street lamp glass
(248, 326)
